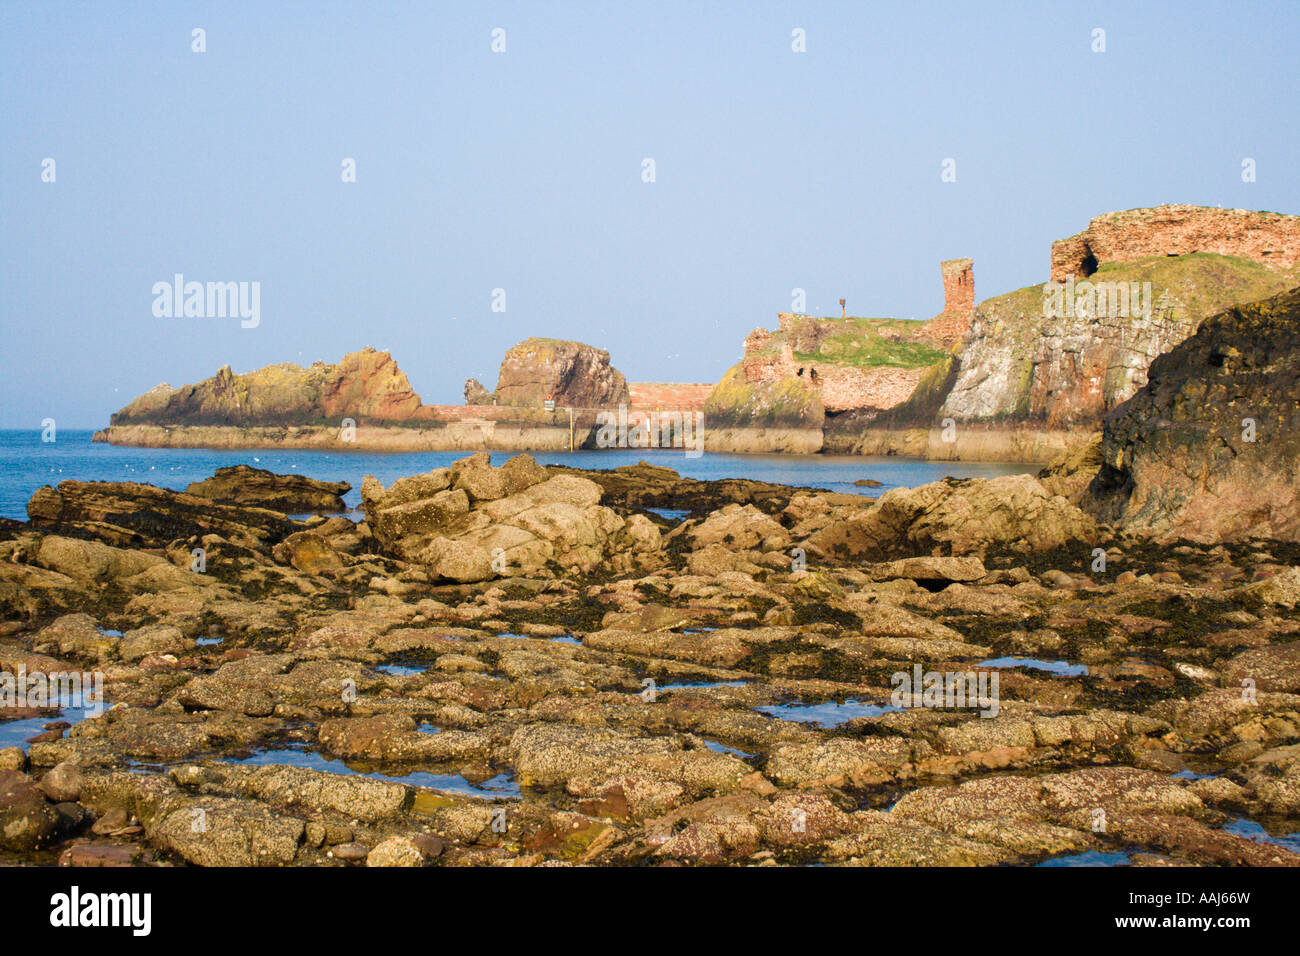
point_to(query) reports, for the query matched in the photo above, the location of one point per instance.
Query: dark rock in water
(571, 373)
(1210, 448)
(867, 483)
(259, 488)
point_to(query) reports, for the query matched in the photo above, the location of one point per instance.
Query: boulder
(258, 488)
(572, 374)
(957, 517)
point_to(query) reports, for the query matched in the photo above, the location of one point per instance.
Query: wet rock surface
(780, 676)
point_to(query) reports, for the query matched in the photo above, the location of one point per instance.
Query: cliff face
(364, 385)
(1020, 367)
(573, 374)
(1209, 449)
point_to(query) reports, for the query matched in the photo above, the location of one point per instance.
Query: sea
(27, 462)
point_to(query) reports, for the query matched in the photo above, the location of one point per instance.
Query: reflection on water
(14, 733)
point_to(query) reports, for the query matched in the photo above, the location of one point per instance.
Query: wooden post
(571, 429)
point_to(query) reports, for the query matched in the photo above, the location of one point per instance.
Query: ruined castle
(958, 301)
(843, 387)
(1269, 238)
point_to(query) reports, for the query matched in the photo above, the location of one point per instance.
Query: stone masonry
(958, 301)
(1269, 238)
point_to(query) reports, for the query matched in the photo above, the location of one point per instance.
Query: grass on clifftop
(1198, 285)
(860, 343)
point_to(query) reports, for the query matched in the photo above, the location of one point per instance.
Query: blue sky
(522, 171)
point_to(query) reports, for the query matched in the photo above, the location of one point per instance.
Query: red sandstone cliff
(366, 385)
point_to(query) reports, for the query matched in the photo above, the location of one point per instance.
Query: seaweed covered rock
(1209, 449)
(259, 488)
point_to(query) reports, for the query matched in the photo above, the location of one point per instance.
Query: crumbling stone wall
(669, 396)
(958, 301)
(1269, 238)
(842, 387)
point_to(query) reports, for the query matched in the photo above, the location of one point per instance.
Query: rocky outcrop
(572, 374)
(782, 415)
(728, 694)
(957, 517)
(1025, 374)
(1210, 448)
(364, 385)
(1269, 238)
(476, 393)
(472, 522)
(258, 488)
(129, 514)
(1070, 473)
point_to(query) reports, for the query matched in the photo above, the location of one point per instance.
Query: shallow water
(499, 786)
(1063, 668)
(27, 463)
(400, 670)
(829, 714)
(703, 685)
(567, 639)
(671, 514)
(1089, 858)
(1191, 775)
(1244, 827)
(14, 733)
(724, 749)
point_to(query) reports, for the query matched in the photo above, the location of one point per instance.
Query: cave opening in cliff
(1088, 265)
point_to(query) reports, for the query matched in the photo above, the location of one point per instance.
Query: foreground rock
(471, 522)
(292, 494)
(731, 686)
(1209, 449)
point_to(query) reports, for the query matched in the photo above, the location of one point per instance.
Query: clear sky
(522, 171)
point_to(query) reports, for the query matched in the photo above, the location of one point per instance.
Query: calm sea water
(26, 463)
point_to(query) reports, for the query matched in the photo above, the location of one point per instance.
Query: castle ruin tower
(958, 301)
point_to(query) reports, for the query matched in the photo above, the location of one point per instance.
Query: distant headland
(1023, 376)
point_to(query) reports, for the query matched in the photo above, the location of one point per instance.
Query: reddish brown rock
(571, 374)
(1266, 237)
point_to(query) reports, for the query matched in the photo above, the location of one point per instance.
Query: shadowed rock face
(1180, 458)
(573, 374)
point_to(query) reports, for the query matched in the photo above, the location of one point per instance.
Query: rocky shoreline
(521, 666)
